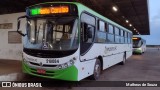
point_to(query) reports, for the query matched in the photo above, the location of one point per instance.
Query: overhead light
(127, 21)
(134, 29)
(114, 8)
(130, 25)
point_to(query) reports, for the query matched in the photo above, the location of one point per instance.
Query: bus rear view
(139, 45)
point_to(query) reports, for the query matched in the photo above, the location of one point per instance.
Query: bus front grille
(48, 73)
(43, 65)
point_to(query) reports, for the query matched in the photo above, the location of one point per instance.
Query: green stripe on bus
(137, 51)
(70, 73)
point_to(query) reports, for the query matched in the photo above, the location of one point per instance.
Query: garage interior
(132, 14)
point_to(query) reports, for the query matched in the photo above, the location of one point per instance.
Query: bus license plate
(41, 71)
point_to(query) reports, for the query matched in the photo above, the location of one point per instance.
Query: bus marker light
(82, 68)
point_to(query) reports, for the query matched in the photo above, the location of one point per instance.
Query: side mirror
(19, 24)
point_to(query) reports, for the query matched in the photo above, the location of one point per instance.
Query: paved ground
(145, 67)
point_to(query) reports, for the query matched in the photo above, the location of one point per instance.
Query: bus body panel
(85, 69)
(84, 64)
(111, 53)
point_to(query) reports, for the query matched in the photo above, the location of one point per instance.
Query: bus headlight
(60, 66)
(139, 48)
(71, 62)
(25, 61)
(67, 64)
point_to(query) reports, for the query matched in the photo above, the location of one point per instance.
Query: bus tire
(124, 59)
(97, 70)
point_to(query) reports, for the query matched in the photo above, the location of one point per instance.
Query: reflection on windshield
(137, 43)
(52, 34)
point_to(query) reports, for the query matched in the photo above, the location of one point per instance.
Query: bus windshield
(137, 43)
(52, 34)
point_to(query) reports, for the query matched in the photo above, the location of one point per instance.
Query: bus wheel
(124, 59)
(97, 70)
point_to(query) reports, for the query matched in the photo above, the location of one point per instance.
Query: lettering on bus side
(52, 60)
(108, 49)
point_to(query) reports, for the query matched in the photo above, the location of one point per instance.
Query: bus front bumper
(137, 50)
(69, 74)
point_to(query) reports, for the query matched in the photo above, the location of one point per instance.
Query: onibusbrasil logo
(20, 84)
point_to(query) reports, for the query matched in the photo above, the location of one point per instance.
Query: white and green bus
(139, 45)
(69, 41)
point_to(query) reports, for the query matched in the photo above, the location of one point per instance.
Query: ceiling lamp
(115, 8)
(130, 25)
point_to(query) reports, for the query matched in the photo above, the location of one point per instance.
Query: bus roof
(82, 8)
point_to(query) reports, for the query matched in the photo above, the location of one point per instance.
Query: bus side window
(110, 33)
(87, 33)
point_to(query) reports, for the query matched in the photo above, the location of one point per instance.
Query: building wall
(12, 51)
